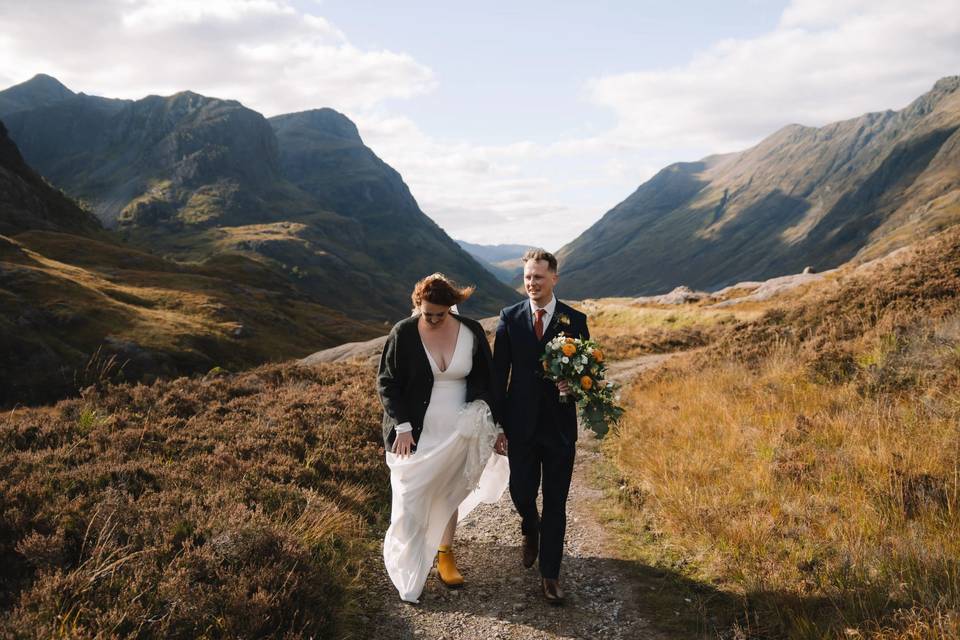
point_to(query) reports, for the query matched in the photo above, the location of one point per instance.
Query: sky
(511, 122)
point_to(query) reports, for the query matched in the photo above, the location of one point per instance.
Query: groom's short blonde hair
(539, 254)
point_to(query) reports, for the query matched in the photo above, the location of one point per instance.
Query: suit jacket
(528, 396)
(405, 379)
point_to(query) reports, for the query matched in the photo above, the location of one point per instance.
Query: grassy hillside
(28, 202)
(72, 307)
(218, 507)
(628, 329)
(803, 471)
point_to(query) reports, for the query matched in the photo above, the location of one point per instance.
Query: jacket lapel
(551, 328)
(554, 326)
(526, 319)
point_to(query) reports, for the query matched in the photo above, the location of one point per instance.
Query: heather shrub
(232, 506)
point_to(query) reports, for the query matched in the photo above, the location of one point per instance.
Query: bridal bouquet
(580, 363)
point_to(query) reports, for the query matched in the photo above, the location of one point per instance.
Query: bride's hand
(403, 444)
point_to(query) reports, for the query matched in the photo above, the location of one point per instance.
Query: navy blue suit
(541, 430)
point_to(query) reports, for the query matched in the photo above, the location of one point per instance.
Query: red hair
(439, 289)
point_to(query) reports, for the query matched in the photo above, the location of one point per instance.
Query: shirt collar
(549, 308)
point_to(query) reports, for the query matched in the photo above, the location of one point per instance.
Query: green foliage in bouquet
(581, 364)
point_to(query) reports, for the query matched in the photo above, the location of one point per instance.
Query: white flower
(556, 347)
(583, 359)
(564, 359)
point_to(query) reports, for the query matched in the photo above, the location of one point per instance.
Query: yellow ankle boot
(447, 567)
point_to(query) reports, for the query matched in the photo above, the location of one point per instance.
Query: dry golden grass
(809, 464)
(628, 329)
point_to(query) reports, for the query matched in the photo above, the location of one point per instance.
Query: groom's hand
(563, 386)
(500, 446)
(403, 444)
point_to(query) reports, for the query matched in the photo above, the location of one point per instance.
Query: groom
(541, 430)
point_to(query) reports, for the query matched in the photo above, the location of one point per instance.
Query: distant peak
(41, 82)
(47, 82)
(43, 76)
(948, 84)
(329, 121)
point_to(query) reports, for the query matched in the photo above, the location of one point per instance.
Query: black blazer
(530, 397)
(405, 379)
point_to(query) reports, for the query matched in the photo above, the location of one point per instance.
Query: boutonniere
(563, 319)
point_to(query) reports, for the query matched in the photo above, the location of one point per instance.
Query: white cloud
(826, 60)
(265, 53)
(483, 193)
(164, 14)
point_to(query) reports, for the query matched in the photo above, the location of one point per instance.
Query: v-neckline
(456, 345)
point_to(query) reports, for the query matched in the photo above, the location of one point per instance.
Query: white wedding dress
(454, 467)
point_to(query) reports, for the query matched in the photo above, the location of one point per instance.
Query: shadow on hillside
(602, 594)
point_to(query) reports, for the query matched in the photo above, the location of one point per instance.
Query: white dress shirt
(549, 308)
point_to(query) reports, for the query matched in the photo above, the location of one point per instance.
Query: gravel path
(501, 599)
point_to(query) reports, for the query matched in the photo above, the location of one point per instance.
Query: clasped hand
(500, 446)
(403, 444)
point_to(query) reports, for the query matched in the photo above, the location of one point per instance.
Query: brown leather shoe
(552, 591)
(530, 548)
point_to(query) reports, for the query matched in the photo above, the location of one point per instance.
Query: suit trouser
(548, 455)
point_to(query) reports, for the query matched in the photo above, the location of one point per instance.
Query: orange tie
(538, 324)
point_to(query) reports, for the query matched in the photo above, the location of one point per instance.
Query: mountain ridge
(195, 177)
(819, 196)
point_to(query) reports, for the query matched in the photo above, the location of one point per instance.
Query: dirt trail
(623, 371)
(502, 599)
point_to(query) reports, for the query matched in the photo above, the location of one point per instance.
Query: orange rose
(569, 349)
(586, 382)
(598, 355)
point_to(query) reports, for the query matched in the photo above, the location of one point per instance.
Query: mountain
(196, 177)
(79, 306)
(40, 90)
(322, 153)
(495, 252)
(805, 196)
(27, 202)
(502, 260)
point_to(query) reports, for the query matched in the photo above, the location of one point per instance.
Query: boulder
(775, 287)
(680, 295)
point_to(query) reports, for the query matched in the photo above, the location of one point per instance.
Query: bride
(437, 389)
